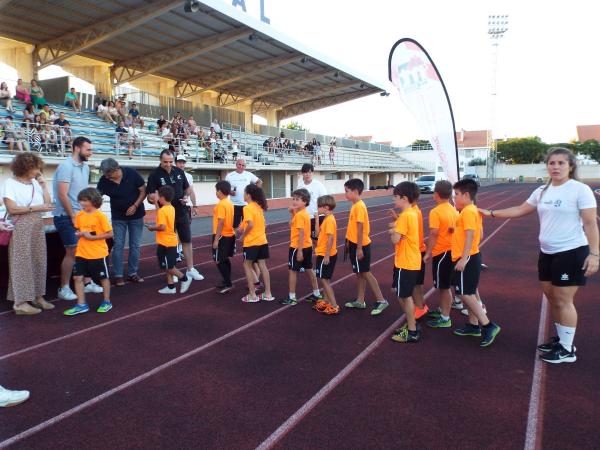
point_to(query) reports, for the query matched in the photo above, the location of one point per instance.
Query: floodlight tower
(497, 26)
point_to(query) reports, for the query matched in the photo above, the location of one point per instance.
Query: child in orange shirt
(358, 244)
(166, 242)
(300, 251)
(254, 241)
(326, 252)
(223, 238)
(407, 259)
(467, 263)
(93, 229)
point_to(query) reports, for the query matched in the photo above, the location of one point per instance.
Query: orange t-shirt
(166, 216)
(468, 219)
(358, 214)
(422, 246)
(224, 210)
(258, 234)
(443, 218)
(407, 253)
(300, 221)
(327, 228)
(94, 222)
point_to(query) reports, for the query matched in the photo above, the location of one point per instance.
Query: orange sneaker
(331, 310)
(320, 305)
(420, 312)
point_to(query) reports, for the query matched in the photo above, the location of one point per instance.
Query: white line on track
(535, 399)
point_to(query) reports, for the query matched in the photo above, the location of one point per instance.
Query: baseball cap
(181, 158)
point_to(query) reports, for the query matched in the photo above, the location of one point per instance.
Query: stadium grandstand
(218, 65)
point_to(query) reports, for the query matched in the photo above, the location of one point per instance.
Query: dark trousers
(225, 270)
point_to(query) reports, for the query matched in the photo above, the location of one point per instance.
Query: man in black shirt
(126, 190)
(167, 174)
(61, 121)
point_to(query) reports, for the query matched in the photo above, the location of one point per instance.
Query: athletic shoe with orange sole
(330, 310)
(320, 305)
(420, 312)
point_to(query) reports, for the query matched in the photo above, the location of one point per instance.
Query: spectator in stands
(216, 127)
(102, 112)
(22, 92)
(161, 124)
(121, 109)
(235, 149)
(112, 111)
(37, 94)
(126, 190)
(11, 135)
(123, 100)
(26, 197)
(100, 100)
(26, 135)
(70, 178)
(50, 138)
(135, 140)
(39, 119)
(35, 137)
(51, 116)
(5, 100)
(318, 152)
(122, 141)
(332, 152)
(191, 128)
(134, 112)
(63, 130)
(72, 100)
(61, 121)
(128, 120)
(239, 179)
(29, 112)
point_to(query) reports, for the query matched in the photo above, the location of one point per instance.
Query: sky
(548, 64)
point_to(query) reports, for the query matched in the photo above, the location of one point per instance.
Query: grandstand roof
(219, 48)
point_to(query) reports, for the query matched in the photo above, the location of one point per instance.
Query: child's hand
(85, 234)
(215, 243)
(299, 255)
(427, 257)
(326, 260)
(359, 254)
(392, 213)
(460, 265)
(485, 212)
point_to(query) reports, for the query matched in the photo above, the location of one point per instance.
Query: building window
(334, 176)
(469, 153)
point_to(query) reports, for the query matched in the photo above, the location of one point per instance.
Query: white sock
(317, 292)
(66, 286)
(445, 317)
(293, 295)
(566, 336)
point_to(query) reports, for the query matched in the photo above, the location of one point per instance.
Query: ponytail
(257, 195)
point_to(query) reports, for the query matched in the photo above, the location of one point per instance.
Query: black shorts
(466, 282)
(325, 271)
(313, 235)
(238, 215)
(93, 268)
(441, 269)
(256, 252)
(404, 281)
(300, 266)
(363, 265)
(563, 268)
(167, 256)
(421, 277)
(184, 228)
(224, 250)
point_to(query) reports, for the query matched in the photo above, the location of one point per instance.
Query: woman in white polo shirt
(568, 245)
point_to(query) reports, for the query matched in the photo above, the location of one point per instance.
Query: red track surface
(206, 371)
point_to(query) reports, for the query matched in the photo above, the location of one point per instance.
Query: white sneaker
(167, 290)
(457, 303)
(175, 279)
(93, 288)
(12, 398)
(185, 285)
(194, 274)
(465, 311)
(65, 293)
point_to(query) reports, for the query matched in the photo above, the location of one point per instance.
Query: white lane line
(534, 418)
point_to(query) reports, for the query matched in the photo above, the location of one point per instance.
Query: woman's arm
(590, 227)
(509, 213)
(15, 210)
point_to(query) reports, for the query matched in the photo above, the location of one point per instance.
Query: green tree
(590, 148)
(293, 125)
(477, 162)
(421, 144)
(526, 150)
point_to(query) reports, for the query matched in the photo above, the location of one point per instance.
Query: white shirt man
(238, 180)
(316, 190)
(216, 126)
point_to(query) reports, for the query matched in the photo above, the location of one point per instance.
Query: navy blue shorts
(66, 230)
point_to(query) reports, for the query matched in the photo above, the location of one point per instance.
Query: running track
(201, 370)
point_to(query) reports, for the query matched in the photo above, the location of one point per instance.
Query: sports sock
(317, 292)
(446, 318)
(66, 286)
(566, 336)
(293, 295)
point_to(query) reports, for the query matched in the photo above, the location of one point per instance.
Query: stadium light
(191, 6)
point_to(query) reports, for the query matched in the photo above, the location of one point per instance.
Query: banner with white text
(423, 92)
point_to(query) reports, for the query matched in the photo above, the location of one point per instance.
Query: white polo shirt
(239, 181)
(316, 190)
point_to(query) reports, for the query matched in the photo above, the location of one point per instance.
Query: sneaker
(405, 327)
(224, 289)
(420, 312)
(104, 307)
(465, 311)
(379, 307)
(93, 288)
(457, 303)
(25, 309)
(489, 333)
(185, 285)
(289, 301)
(406, 337)
(559, 355)
(119, 281)
(468, 330)
(193, 272)
(434, 314)
(179, 258)
(135, 279)
(314, 298)
(65, 293)
(356, 305)
(551, 345)
(484, 266)
(12, 398)
(439, 323)
(167, 290)
(330, 310)
(320, 305)
(258, 286)
(77, 309)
